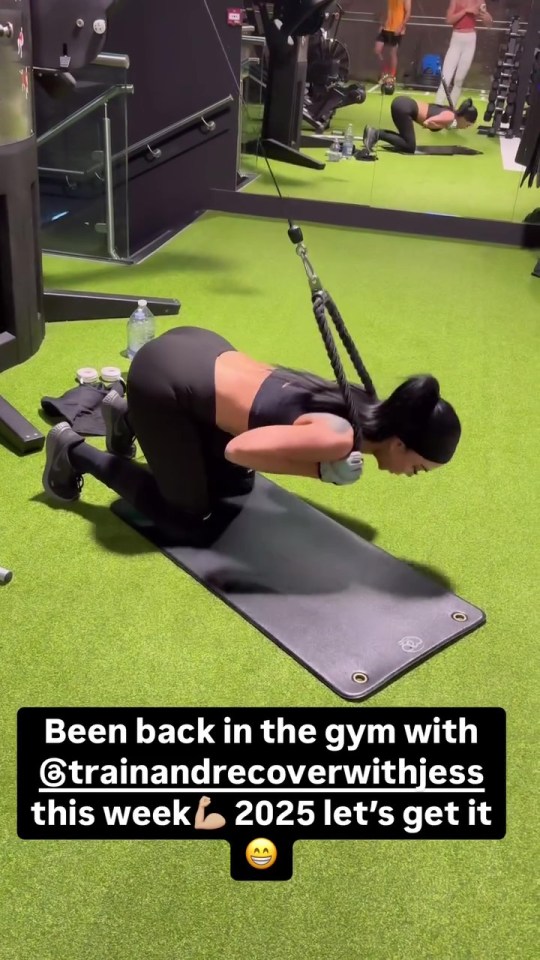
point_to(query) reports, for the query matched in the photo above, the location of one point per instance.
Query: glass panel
(252, 99)
(83, 163)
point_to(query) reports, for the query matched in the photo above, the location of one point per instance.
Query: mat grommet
(360, 677)
(459, 616)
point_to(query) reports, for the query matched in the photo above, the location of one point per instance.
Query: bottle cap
(5, 575)
(87, 375)
(143, 303)
(111, 374)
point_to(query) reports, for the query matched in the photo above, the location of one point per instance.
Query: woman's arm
(295, 449)
(440, 121)
(282, 467)
(484, 15)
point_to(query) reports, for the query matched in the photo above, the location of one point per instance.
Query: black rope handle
(447, 92)
(350, 347)
(321, 302)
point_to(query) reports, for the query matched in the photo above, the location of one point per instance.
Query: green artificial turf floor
(471, 186)
(94, 617)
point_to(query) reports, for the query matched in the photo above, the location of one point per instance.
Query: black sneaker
(118, 437)
(371, 135)
(59, 479)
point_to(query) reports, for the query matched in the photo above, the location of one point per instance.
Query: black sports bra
(434, 109)
(279, 401)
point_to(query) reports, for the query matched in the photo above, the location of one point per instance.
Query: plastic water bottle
(140, 329)
(334, 153)
(348, 142)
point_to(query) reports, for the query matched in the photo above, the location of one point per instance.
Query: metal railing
(116, 61)
(200, 116)
(103, 100)
(104, 166)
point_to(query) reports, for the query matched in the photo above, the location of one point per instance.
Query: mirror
(310, 97)
(363, 69)
(465, 170)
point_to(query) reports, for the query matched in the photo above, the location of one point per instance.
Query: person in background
(389, 38)
(407, 112)
(462, 16)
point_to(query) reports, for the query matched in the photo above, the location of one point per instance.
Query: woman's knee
(230, 480)
(191, 497)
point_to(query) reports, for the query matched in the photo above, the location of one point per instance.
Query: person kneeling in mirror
(407, 112)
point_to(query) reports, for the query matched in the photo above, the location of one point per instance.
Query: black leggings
(172, 413)
(404, 113)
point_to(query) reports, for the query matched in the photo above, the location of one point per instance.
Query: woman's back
(238, 379)
(250, 394)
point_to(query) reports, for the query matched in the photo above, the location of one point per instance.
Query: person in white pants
(462, 16)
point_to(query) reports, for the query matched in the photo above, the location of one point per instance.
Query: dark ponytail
(416, 399)
(467, 110)
(417, 414)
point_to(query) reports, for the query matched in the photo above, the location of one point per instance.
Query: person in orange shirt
(389, 38)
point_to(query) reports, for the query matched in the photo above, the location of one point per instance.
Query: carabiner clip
(313, 280)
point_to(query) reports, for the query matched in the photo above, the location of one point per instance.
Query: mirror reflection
(399, 104)
(306, 103)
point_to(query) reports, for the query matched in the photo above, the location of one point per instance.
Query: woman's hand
(484, 15)
(343, 472)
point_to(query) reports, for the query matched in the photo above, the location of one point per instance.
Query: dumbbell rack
(504, 89)
(533, 81)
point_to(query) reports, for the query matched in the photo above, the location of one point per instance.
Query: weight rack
(533, 83)
(504, 88)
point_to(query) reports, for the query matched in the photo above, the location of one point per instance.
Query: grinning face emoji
(261, 854)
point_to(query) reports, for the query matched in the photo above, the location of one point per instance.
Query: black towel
(81, 407)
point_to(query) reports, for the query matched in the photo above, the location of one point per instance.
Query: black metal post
(526, 65)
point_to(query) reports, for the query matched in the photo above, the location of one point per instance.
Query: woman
(462, 16)
(406, 112)
(207, 416)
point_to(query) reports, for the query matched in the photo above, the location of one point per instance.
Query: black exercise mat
(448, 151)
(351, 613)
